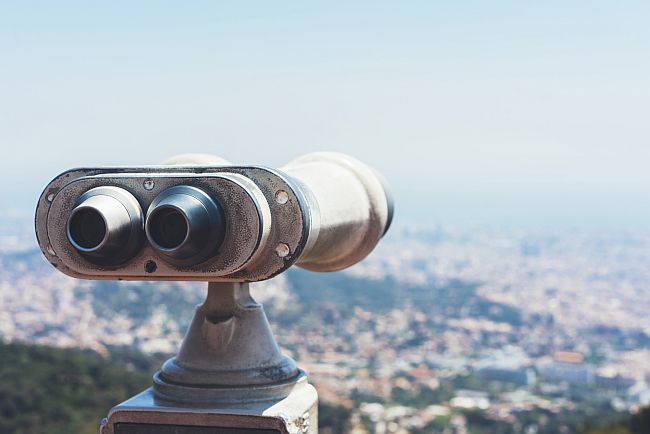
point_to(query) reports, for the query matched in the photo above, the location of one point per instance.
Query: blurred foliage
(333, 419)
(61, 391)
(638, 423)
(417, 396)
(138, 300)
(454, 299)
(68, 391)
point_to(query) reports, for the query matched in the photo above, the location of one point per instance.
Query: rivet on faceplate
(282, 250)
(150, 266)
(281, 197)
(50, 197)
(148, 184)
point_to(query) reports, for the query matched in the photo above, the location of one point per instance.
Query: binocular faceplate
(212, 222)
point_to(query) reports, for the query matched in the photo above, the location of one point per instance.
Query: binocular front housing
(201, 218)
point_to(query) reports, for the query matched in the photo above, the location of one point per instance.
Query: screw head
(148, 184)
(150, 266)
(282, 250)
(281, 197)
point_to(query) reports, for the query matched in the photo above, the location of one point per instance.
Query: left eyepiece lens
(87, 228)
(106, 225)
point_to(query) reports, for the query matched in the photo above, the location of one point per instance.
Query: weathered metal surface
(228, 354)
(297, 413)
(139, 428)
(228, 375)
(249, 238)
(323, 212)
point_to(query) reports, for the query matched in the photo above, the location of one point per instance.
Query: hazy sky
(503, 111)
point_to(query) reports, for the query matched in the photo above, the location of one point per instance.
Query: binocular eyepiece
(106, 225)
(183, 222)
(202, 219)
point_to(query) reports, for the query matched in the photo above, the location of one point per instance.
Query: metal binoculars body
(200, 218)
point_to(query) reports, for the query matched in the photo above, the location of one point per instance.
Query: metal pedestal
(229, 377)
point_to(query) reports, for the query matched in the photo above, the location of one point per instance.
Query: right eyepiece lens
(87, 228)
(185, 224)
(168, 227)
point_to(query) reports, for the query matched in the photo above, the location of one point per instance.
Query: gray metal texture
(150, 428)
(228, 355)
(297, 413)
(354, 209)
(185, 224)
(323, 212)
(229, 374)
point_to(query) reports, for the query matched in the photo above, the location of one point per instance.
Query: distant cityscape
(441, 329)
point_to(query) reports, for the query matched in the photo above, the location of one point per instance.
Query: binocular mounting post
(229, 377)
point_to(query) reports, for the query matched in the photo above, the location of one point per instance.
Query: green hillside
(65, 391)
(61, 391)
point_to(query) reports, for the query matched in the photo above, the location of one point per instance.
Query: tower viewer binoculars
(198, 217)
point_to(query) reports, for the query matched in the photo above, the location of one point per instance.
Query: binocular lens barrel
(350, 205)
(206, 219)
(87, 228)
(184, 223)
(105, 225)
(168, 227)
